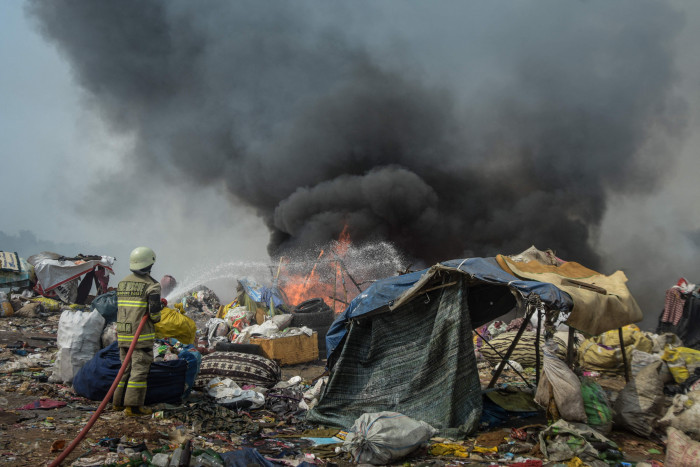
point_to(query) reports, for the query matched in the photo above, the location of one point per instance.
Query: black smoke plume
(306, 122)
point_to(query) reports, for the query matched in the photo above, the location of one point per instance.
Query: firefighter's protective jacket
(133, 302)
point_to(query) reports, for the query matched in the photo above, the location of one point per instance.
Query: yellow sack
(174, 324)
(49, 303)
(681, 361)
(6, 309)
(223, 310)
(593, 356)
(631, 336)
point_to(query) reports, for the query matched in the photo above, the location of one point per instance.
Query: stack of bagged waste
(603, 353)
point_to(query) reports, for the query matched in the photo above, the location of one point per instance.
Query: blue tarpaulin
(485, 275)
(261, 293)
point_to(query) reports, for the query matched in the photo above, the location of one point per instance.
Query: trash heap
(244, 382)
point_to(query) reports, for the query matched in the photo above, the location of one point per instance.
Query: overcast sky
(54, 147)
(65, 186)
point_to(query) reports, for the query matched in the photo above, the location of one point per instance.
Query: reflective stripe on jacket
(132, 304)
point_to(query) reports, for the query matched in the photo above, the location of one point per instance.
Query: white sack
(380, 438)
(684, 414)
(78, 340)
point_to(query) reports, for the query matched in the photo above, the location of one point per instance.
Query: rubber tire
(241, 348)
(313, 305)
(319, 321)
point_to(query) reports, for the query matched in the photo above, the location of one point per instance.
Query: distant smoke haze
(517, 135)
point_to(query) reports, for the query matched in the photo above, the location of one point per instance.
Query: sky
(53, 149)
(452, 129)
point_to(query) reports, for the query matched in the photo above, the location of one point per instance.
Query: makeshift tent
(405, 343)
(15, 272)
(57, 276)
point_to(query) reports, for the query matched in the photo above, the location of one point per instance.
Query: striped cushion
(242, 368)
(524, 352)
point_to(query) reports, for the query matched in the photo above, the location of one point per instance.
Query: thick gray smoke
(516, 136)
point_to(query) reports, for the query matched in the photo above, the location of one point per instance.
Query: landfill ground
(35, 437)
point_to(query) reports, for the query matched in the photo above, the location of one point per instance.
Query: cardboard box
(289, 350)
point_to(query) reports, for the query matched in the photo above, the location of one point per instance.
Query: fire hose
(99, 410)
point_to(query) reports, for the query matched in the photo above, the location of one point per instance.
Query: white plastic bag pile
(78, 340)
(226, 391)
(272, 328)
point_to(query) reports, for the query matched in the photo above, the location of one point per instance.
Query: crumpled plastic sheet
(562, 441)
(209, 416)
(227, 392)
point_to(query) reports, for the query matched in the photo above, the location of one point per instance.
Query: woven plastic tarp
(417, 360)
(492, 293)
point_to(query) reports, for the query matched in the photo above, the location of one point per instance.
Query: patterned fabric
(673, 306)
(681, 450)
(524, 352)
(417, 359)
(516, 323)
(242, 368)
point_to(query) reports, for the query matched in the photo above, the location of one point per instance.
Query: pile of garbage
(232, 383)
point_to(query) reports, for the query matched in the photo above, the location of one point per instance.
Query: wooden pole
(624, 355)
(570, 347)
(537, 347)
(499, 369)
(335, 284)
(501, 355)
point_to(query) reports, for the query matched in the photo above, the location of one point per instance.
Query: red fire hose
(99, 410)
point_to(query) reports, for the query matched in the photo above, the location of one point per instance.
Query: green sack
(596, 405)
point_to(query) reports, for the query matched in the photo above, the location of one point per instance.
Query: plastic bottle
(161, 459)
(175, 460)
(186, 454)
(205, 460)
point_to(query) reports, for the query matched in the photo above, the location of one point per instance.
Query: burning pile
(337, 273)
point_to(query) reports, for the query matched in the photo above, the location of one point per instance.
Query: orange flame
(299, 288)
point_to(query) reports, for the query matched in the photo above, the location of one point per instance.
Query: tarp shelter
(405, 343)
(58, 275)
(15, 272)
(264, 300)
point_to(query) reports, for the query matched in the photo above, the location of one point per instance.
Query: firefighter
(137, 294)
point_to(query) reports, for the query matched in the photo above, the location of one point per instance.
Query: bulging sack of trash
(564, 387)
(174, 324)
(641, 401)
(641, 359)
(681, 450)
(79, 338)
(598, 410)
(684, 413)
(383, 437)
(106, 305)
(5, 306)
(682, 362)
